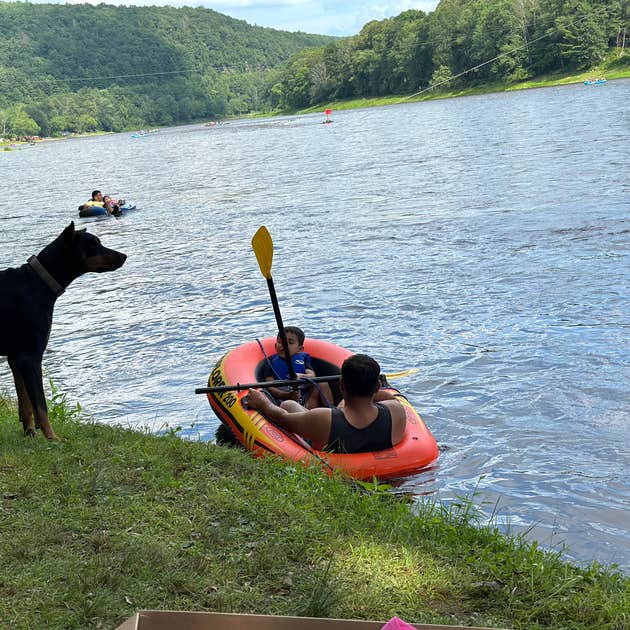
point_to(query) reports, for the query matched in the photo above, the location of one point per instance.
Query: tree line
(462, 43)
(80, 68)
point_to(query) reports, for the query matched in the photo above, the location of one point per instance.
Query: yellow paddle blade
(263, 248)
(403, 373)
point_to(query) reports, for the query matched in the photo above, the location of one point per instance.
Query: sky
(325, 17)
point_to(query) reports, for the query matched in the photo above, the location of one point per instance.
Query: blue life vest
(279, 369)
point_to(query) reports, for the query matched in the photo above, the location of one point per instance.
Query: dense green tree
(441, 77)
(618, 18)
(41, 117)
(338, 62)
(462, 42)
(81, 67)
(451, 34)
(4, 119)
(580, 26)
(85, 122)
(413, 59)
(297, 82)
(19, 123)
(124, 67)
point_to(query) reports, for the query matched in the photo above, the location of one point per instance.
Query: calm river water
(484, 240)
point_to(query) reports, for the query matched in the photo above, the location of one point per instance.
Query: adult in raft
(367, 419)
(102, 202)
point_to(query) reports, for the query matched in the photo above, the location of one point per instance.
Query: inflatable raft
(99, 211)
(244, 364)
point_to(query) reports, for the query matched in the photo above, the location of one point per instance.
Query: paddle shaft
(281, 331)
(239, 387)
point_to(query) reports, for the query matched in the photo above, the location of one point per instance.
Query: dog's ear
(67, 236)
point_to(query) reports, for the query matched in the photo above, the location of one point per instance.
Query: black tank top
(344, 438)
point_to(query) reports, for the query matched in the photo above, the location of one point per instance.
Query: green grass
(613, 67)
(111, 520)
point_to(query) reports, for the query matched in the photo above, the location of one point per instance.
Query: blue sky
(327, 17)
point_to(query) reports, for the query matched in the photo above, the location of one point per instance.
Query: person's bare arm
(399, 416)
(384, 394)
(312, 424)
(282, 393)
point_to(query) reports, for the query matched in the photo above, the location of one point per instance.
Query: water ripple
(452, 236)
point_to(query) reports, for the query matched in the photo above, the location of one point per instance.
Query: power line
(485, 63)
(119, 76)
(133, 76)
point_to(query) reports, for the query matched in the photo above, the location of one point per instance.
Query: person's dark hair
(94, 193)
(360, 374)
(298, 332)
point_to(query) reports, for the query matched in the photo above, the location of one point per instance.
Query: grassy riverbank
(614, 67)
(111, 521)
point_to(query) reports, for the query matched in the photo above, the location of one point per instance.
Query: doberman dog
(27, 299)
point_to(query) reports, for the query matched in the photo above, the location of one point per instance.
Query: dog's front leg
(30, 369)
(25, 409)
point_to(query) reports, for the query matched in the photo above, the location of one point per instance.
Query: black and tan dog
(27, 299)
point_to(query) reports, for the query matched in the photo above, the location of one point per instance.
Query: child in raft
(276, 368)
(111, 206)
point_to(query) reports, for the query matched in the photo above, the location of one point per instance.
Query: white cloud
(261, 4)
(422, 5)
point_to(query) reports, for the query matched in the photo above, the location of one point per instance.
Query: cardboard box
(171, 620)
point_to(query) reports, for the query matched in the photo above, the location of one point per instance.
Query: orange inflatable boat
(259, 435)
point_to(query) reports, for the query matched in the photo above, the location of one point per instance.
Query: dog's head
(86, 252)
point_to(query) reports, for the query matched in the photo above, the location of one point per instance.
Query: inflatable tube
(99, 211)
(417, 450)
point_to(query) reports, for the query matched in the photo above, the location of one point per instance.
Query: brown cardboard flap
(171, 620)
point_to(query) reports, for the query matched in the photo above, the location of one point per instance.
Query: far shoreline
(544, 81)
(429, 95)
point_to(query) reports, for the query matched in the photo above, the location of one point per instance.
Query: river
(484, 240)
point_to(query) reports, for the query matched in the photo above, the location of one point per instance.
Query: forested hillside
(84, 67)
(461, 43)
